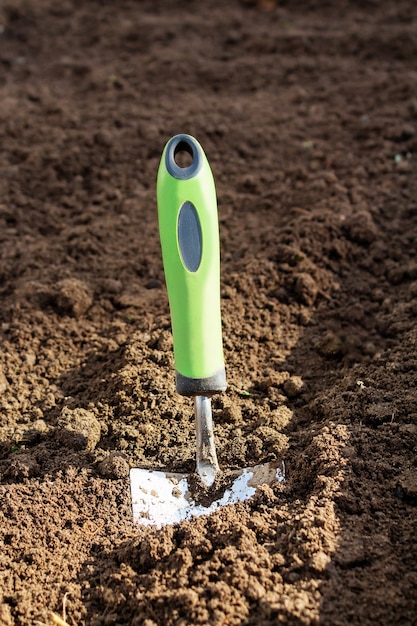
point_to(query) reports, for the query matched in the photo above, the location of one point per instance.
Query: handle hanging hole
(184, 158)
(183, 154)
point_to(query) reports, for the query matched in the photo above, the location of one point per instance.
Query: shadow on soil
(329, 533)
(337, 530)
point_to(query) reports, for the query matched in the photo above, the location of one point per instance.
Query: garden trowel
(189, 233)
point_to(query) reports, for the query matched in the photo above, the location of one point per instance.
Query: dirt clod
(361, 228)
(293, 386)
(72, 297)
(79, 429)
(306, 289)
(115, 466)
(22, 466)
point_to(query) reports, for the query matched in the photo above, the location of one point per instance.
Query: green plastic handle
(189, 233)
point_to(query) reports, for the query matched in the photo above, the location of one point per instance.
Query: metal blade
(160, 498)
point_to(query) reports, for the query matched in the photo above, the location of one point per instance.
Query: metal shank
(207, 464)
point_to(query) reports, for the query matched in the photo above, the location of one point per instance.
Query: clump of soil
(308, 116)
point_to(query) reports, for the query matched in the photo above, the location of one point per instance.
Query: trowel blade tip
(207, 473)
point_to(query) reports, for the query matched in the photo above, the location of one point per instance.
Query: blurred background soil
(307, 112)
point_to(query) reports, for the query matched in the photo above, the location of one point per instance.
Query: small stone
(293, 386)
(78, 429)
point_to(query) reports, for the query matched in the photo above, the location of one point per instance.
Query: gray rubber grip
(201, 386)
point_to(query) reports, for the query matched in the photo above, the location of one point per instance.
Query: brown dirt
(308, 116)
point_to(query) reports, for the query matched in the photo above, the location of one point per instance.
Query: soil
(307, 112)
